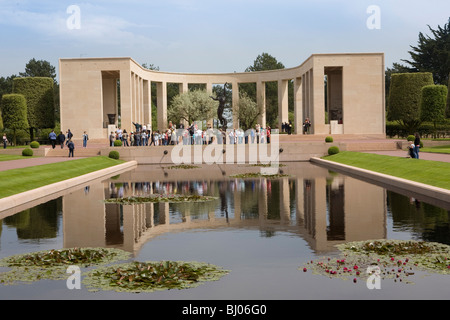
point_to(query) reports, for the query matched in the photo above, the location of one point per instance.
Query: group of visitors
(192, 135)
(63, 139)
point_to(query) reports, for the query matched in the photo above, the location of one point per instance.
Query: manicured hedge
(405, 95)
(432, 107)
(114, 155)
(38, 92)
(27, 152)
(34, 144)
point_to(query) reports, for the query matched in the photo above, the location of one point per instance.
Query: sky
(209, 36)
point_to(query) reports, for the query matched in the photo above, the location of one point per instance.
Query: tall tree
(248, 112)
(14, 113)
(432, 106)
(265, 62)
(405, 97)
(39, 68)
(192, 106)
(38, 93)
(432, 53)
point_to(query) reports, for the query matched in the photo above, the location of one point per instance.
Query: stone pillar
(261, 102)
(283, 112)
(125, 102)
(298, 106)
(147, 102)
(235, 105)
(319, 101)
(162, 105)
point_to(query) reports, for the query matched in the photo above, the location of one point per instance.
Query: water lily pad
(390, 259)
(151, 276)
(52, 264)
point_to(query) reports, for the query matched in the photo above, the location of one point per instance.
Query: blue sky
(209, 36)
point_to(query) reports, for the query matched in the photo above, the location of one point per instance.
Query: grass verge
(437, 149)
(7, 157)
(434, 173)
(15, 181)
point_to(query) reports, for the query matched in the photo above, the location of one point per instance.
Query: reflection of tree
(428, 222)
(40, 222)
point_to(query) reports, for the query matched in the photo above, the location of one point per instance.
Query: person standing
(125, 138)
(416, 144)
(61, 139)
(52, 137)
(5, 141)
(85, 139)
(112, 138)
(71, 146)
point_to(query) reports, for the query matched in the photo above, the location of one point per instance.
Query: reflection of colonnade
(324, 211)
(354, 97)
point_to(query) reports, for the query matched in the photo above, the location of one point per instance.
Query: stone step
(79, 152)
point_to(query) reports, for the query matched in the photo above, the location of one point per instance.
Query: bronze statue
(221, 107)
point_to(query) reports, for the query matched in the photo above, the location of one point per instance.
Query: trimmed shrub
(117, 143)
(114, 155)
(433, 103)
(329, 139)
(333, 150)
(38, 92)
(405, 96)
(410, 138)
(27, 152)
(34, 144)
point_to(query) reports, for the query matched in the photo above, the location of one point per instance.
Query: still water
(262, 230)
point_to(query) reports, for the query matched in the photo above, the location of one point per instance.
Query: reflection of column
(309, 205)
(128, 227)
(237, 204)
(299, 210)
(149, 212)
(320, 199)
(284, 200)
(164, 213)
(262, 201)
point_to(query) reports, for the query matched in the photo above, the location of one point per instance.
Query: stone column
(261, 102)
(298, 106)
(162, 105)
(147, 102)
(235, 105)
(283, 112)
(126, 112)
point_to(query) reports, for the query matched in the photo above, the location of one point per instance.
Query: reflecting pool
(262, 230)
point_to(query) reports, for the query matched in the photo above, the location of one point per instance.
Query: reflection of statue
(221, 100)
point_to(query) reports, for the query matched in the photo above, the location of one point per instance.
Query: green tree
(447, 112)
(39, 68)
(405, 97)
(265, 62)
(432, 54)
(14, 113)
(248, 112)
(192, 106)
(432, 106)
(38, 93)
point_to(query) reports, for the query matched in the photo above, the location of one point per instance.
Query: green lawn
(20, 180)
(433, 173)
(437, 149)
(7, 157)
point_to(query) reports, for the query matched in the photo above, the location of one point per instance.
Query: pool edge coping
(408, 185)
(22, 198)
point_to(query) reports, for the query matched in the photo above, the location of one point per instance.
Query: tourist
(417, 144)
(411, 152)
(85, 139)
(132, 138)
(119, 134)
(61, 139)
(71, 146)
(112, 138)
(5, 141)
(69, 135)
(306, 126)
(125, 138)
(52, 137)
